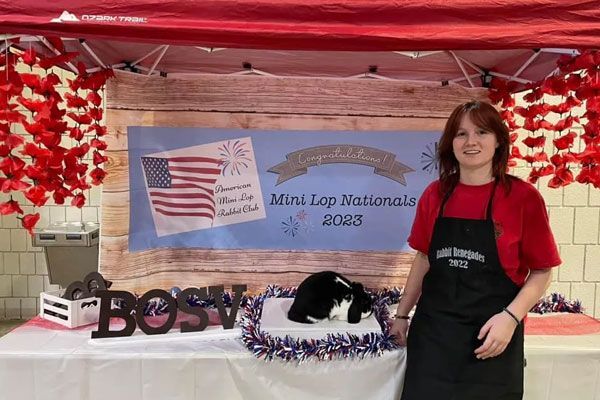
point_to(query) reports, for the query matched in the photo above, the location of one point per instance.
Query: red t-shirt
(523, 236)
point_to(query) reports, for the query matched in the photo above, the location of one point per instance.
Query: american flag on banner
(201, 187)
(182, 187)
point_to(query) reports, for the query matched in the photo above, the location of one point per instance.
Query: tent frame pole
(462, 68)
(526, 63)
(160, 56)
(417, 54)
(510, 78)
(210, 49)
(91, 52)
(254, 71)
(462, 78)
(136, 62)
(570, 52)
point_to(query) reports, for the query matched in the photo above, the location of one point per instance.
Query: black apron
(464, 287)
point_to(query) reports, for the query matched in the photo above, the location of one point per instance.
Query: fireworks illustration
(302, 215)
(290, 226)
(300, 225)
(234, 156)
(429, 158)
(306, 226)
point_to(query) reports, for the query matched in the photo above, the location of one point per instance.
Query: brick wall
(575, 217)
(574, 214)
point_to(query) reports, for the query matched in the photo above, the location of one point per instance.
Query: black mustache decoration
(92, 303)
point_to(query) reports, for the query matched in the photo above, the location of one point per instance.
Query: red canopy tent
(464, 42)
(434, 41)
(355, 25)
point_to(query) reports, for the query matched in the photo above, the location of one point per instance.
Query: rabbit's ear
(355, 311)
(357, 288)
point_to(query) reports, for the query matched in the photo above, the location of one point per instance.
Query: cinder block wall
(574, 213)
(574, 216)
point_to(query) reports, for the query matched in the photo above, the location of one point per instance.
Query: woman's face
(474, 147)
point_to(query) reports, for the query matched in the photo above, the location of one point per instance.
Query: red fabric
(368, 25)
(525, 241)
(561, 324)
(118, 323)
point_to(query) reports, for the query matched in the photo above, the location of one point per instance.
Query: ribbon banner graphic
(299, 161)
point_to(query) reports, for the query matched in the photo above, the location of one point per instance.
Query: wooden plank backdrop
(252, 102)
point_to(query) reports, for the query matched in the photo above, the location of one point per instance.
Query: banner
(296, 190)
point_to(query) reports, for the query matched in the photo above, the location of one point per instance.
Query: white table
(41, 364)
(562, 367)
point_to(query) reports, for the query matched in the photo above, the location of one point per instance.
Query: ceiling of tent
(426, 66)
(428, 41)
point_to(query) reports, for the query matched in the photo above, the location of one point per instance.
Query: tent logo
(65, 17)
(69, 17)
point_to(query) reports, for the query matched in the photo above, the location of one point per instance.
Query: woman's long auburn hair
(486, 117)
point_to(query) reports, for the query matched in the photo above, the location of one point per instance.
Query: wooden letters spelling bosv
(130, 304)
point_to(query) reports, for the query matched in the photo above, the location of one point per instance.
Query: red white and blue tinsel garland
(332, 346)
(556, 302)
(553, 303)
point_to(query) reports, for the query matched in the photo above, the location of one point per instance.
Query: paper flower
(80, 118)
(28, 222)
(94, 98)
(98, 144)
(565, 123)
(97, 175)
(76, 133)
(98, 158)
(540, 156)
(74, 101)
(516, 153)
(29, 57)
(10, 207)
(562, 177)
(49, 62)
(564, 141)
(78, 200)
(37, 195)
(589, 175)
(532, 142)
(13, 141)
(32, 81)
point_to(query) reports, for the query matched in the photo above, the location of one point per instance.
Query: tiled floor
(9, 325)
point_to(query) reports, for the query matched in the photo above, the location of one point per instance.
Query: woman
(484, 257)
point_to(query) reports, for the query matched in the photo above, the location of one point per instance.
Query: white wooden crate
(70, 313)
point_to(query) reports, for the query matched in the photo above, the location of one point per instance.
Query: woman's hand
(399, 329)
(497, 331)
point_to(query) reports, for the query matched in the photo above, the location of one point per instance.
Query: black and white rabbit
(328, 295)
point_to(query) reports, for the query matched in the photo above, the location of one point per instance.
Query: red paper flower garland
(54, 170)
(577, 82)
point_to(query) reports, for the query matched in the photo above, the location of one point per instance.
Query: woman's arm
(536, 284)
(412, 292)
(498, 330)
